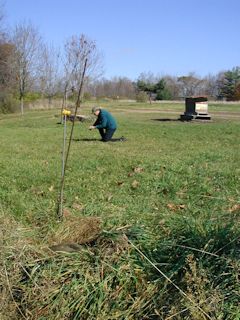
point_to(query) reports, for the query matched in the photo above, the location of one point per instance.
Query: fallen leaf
(175, 207)
(135, 184)
(78, 206)
(109, 197)
(66, 213)
(234, 208)
(138, 169)
(181, 206)
(171, 206)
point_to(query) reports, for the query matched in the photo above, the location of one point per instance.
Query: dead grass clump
(111, 247)
(15, 248)
(78, 230)
(201, 291)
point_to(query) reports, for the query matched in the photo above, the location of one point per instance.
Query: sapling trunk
(77, 106)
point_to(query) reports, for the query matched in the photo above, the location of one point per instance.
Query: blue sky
(172, 37)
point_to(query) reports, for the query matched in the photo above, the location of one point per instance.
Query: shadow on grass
(112, 140)
(183, 120)
(86, 139)
(166, 119)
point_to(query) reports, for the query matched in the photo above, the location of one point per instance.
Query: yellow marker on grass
(66, 112)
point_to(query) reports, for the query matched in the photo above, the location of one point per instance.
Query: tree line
(33, 69)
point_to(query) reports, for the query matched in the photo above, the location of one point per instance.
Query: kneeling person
(105, 123)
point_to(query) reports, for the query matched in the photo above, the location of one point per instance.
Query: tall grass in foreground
(171, 191)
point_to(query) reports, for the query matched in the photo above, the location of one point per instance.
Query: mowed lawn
(192, 163)
(171, 183)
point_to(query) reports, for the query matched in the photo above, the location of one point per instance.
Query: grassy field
(169, 205)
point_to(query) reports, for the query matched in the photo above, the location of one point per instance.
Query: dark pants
(106, 134)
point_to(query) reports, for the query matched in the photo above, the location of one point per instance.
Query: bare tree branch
(27, 42)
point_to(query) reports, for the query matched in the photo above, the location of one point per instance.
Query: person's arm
(96, 122)
(102, 121)
(94, 126)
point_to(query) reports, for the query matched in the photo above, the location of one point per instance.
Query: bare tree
(190, 85)
(69, 68)
(220, 79)
(76, 50)
(117, 87)
(210, 86)
(50, 72)
(2, 27)
(148, 77)
(28, 44)
(7, 71)
(172, 86)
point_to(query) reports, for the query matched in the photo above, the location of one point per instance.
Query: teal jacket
(105, 120)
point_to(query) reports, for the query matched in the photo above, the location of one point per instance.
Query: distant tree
(158, 89)
(28, 44)
(115, 88)
(2, 25)
(146, 83)
(209, 86)
(162, 92)
(237, 92)
(141, 96)
(229, 86)
(49, 76)
(148, 77)
(8, 86)
(172, 85)
(147, 87)
(7, 73)
(7, 70)
(123, 88)
(190, 85)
